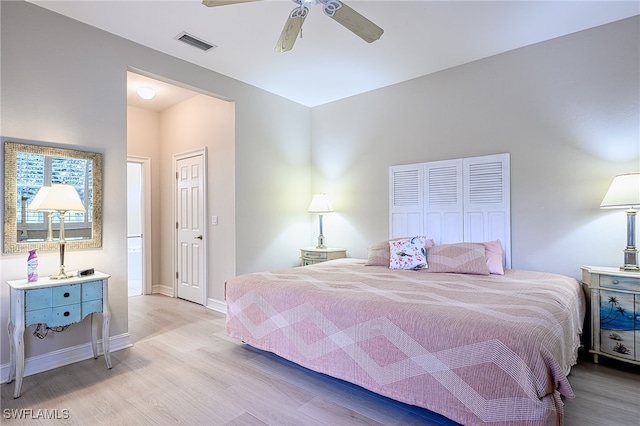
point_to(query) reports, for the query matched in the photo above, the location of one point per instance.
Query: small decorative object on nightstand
(614, 297)
(311, 255)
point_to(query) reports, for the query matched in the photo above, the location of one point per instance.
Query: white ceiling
(329, 62)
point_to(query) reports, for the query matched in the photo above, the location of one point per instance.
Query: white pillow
(408, 253)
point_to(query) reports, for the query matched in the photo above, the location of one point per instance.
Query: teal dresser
(56, 303)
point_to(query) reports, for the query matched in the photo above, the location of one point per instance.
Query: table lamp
(624, 192)
(320, 204)
(35, 204)
(61, 198)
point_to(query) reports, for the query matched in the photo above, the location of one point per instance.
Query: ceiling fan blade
(291, 29)
(353, 21)
(213, 3)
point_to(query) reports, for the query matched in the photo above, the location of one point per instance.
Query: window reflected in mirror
(28, 168)
(35, 171)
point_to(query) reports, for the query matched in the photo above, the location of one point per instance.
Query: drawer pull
(66, 294)
(67, 313)
(615, 281)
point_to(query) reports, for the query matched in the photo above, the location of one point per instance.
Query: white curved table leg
(106, 317)
(12, 352)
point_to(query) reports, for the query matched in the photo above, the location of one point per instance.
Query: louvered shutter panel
(443, 201)
(453, 201)
(487, 201)
(406, 201)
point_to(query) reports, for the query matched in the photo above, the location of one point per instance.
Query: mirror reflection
(34, 171)
(31, 169)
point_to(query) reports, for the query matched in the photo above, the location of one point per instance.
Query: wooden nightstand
(311, 255)
(614, 297)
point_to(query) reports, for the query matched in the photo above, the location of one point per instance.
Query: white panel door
(190, 226)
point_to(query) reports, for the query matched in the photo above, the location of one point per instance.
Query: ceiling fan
(335, 9)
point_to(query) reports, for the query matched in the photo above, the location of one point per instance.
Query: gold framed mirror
(27, 168)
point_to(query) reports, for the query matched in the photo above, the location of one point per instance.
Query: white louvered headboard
(450, 201)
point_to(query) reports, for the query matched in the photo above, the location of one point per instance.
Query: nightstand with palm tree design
(614, 297)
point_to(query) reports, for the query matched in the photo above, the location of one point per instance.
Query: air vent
(195, 42)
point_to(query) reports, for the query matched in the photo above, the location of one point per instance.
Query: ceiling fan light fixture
(146, 92)
(335, 9)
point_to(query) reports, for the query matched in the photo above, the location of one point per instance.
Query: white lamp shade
(37, 200)
(320, 204)
(61, 197)
(624, 192)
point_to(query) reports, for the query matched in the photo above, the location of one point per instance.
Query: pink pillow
(460, 258)
(380, 255)
(494, 257)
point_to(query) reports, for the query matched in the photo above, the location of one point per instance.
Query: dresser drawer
(38, 298)
(37, 316)
(65, 295)
(91, 306)
(620, 283)
(41, 298)
(92, 291)
(63, 315)
(314, 255)
(54, 317)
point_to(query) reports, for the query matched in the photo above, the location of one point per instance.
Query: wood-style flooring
(183, 369)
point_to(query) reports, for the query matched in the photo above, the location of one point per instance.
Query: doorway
(190, 249)
(138, 237)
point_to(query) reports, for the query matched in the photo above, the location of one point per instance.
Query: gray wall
(65, 82)
(566, 110)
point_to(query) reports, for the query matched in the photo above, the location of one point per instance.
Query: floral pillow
(379, 254)
(408, 253)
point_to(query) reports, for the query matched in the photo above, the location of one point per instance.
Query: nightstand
(614, 297)
(311, 255)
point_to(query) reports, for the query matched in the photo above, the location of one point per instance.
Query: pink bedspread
(474, 348)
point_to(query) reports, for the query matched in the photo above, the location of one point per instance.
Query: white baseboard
(217, 305)
(213, 304)
(162, 289)
(50, 360)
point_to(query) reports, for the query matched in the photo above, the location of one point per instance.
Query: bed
(475, 348)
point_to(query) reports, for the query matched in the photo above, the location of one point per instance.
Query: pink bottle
(32, 266)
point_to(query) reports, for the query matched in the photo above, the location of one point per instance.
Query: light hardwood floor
(183, 369)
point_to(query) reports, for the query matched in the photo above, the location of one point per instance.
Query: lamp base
(61, 275)
(630, 260)
(321, 244)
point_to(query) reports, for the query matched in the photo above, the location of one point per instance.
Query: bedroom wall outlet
(214, 220)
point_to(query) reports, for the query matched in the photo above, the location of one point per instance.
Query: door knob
(199, 237)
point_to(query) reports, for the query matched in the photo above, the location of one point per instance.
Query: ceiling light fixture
(146, 92)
